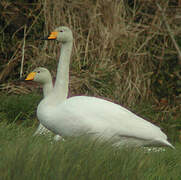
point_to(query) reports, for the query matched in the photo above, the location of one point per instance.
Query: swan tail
(166, 143)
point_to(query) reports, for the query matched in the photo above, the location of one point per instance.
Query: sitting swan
(43, 76)
(90, 115)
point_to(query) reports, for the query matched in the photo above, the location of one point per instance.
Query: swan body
(82, 114)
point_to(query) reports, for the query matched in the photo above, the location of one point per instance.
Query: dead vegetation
(122, 50)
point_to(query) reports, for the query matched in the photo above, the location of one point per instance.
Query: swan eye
(61, 30)
(38, 71)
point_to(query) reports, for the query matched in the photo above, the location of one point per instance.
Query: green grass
(25, 157)
(19, 109)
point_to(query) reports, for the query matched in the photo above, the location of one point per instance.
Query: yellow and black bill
(30, 76)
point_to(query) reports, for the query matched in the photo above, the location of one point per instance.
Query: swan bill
(53, 35)
(30, 76)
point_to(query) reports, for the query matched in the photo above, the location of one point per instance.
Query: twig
(23, 53)
(170, 33)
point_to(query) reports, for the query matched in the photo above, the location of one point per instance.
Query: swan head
(62, 34)
(40, 75)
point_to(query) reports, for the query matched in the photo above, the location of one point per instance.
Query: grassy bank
(25, 157)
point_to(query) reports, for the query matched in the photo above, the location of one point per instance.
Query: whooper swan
(43, 76)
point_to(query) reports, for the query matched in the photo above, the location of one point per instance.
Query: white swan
(90, 115)
(43, 76)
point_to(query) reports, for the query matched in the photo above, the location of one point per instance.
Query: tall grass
(25, 157)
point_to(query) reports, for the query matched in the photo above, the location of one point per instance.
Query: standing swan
(43, 76)
(90, 115)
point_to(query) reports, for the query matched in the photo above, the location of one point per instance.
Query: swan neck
(47, 88)
(62, 78)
